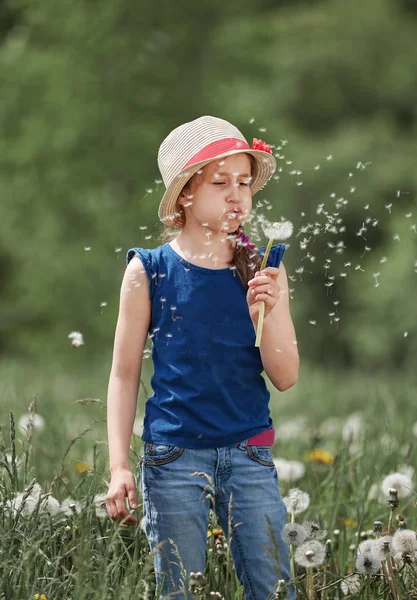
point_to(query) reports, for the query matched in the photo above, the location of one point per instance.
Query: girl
(207, 428)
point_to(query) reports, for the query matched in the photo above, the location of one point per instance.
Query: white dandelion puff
(279, 230)
(310, 554)
(289, 470)
(99, 502)
(77, 338)
(297, 501)
(70, 507)
(351, 585)
(31, 420)
(404, 541)
(368, 563)
(400, 482)
(17, 505)
(383, 545)
(314, 531)
(291, 429)
(366, 547)
(353, 427)
(294, 533)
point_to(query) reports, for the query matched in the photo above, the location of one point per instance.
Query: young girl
(198, 298)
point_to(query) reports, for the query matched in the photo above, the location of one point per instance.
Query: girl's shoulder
(275, 254)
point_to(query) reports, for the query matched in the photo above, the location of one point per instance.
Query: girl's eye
(244, 183)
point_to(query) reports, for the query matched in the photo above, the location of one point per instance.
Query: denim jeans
(176, 507)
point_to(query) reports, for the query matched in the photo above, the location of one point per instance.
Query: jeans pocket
(160, 454)
(261, 455)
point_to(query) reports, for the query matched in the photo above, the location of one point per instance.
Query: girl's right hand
(122, 486)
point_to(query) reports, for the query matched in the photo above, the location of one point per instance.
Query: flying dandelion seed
(77, 339)
(87, 248)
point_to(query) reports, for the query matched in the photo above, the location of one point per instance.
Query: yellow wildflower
(321, 456)
(216, 531)
(81, 467)
(349, 522)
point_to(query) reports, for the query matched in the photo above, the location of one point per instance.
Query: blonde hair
(246, 260)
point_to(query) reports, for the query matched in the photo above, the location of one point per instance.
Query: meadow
(339, 438)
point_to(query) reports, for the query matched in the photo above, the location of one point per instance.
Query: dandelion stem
(310, 583)
(262, 303)
(391, 512)
(388, 572)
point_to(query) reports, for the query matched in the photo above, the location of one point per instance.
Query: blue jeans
(176, 507)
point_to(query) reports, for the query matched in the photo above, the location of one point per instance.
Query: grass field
(347, 432)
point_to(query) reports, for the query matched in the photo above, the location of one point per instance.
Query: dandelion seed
(142, 227)
(99, 502)
(313, 322)
(310, 554)
(330, 157)
(77, 338)
(388, 207)
(352, 190)
(294, 533)
(383, 260)
(399, 482)
(297, 501)
(87, 248)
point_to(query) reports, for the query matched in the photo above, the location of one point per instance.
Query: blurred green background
(89, 89)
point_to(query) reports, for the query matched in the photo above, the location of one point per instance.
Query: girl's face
(219, 195)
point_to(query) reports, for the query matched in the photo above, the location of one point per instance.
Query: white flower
(76, 337)
(31, 419)
(100, 504)
(297, 501)
(290, 429)
(70, 507)
(279, 230)
(289, 470)
(294, 533)
(368, 563)
(404, 541)
(310, 554)
(351, 584)
(352, 428)
(400, 482)
(331, 426)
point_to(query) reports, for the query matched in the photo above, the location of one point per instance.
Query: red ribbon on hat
(261, 145)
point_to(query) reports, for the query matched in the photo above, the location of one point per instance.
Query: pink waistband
(265, 438)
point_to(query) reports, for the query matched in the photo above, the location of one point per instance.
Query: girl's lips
(234, 213)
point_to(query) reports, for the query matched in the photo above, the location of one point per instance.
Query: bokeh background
(88, 90)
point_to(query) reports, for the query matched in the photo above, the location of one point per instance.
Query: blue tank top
(208, 389)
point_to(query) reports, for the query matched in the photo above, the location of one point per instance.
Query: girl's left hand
(263, 287)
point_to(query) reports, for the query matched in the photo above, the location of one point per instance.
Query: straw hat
(192, 145)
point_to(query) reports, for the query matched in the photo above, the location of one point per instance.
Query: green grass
(82, 556)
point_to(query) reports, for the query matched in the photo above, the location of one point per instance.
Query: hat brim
(265, 168)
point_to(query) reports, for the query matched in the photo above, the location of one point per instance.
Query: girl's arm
(130, 339)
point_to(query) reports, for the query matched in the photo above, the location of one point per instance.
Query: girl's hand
(263, 287)
(122, 486)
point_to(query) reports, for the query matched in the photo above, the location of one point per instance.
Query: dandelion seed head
(297, 501)
(70, 506)
(31, 420)
(310, 554)
(314, 531)
(289, 470)
(76, 338)
(351, 585)
(294, 533)
(368, 563)
(405, 541)
(401, 482)
(279, 230)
